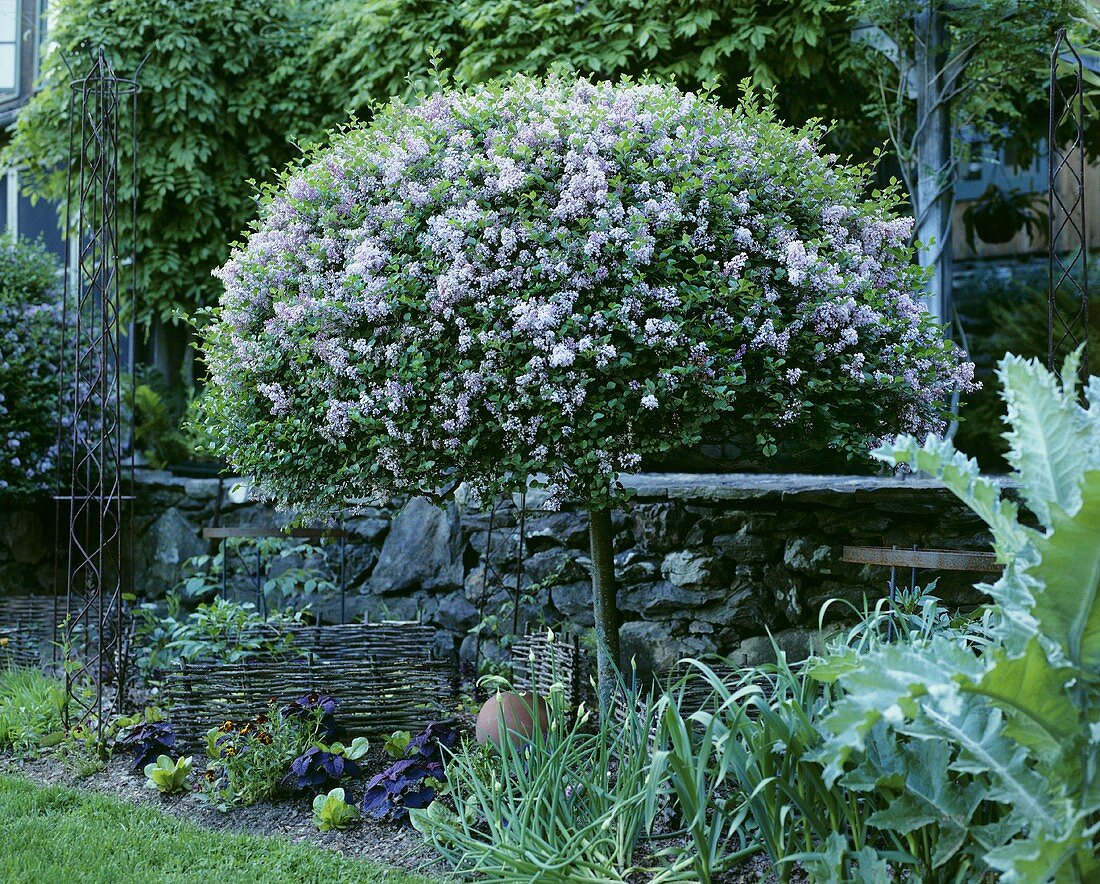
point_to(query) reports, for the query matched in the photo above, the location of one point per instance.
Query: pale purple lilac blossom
(491, 285)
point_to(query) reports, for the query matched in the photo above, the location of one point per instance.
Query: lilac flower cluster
(552, 278)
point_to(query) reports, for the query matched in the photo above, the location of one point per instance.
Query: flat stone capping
(778, 486)
(686, 486)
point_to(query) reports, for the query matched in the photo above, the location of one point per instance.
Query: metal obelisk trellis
(95, 454)
(1067, 241)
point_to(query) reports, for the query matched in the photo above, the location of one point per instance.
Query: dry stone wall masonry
(706, 563)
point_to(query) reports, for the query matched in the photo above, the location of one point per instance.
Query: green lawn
(70, 835)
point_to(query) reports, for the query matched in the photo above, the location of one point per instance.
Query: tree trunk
(933, 194)
(603, 602)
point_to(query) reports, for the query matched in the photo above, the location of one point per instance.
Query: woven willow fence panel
(381, 674)
(29, 625)
(388, 640)
(539, 662)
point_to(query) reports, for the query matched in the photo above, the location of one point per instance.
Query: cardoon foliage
(555, 277)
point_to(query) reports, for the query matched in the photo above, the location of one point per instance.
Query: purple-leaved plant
(320, 768)
(414, 780)
(320, 706)
(147, 741)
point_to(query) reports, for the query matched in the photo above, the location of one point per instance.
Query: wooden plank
(931, 559)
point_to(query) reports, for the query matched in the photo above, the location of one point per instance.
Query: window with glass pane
(9, 45)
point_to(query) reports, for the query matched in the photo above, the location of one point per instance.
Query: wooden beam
(931, 559)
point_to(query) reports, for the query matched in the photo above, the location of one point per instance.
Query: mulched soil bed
(384, 844)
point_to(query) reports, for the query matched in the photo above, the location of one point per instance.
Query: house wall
(1033, 180)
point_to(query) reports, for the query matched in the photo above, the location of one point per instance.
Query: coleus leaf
(428, 741)
(319, 767)
(321, 705)
(401, 786)
(147, 741)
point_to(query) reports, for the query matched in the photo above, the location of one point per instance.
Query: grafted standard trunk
(605, 609)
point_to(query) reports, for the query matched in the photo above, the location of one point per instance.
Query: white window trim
(13, 202)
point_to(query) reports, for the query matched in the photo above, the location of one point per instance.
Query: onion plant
(567, 805)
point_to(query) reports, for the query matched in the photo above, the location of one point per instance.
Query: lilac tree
(539, 282)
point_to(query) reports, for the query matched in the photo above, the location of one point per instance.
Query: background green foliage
(226, 93)
(1004, 310)
(30, 355)
(229, 88)
(221, 630)
(371, 47)
(996, 64)
(30, 709)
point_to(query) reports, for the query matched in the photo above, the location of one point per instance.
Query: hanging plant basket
(998, 215)
(996, 228)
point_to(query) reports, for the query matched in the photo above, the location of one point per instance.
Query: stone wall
(706, 563)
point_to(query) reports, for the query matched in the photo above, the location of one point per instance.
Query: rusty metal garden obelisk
(1067, 241)
(95, 462)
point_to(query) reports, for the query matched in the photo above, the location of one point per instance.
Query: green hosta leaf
(358, 748)
(1041, 714)
(960, 475)
(331, 811)
(1068, 605)
(167, 776)
(396, 744)
(1051, 442)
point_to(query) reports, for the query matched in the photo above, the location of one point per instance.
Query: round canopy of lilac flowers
(550, 279)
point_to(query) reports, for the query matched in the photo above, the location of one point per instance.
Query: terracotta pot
(510, 713)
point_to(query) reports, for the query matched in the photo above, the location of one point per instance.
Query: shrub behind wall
(30, 350)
